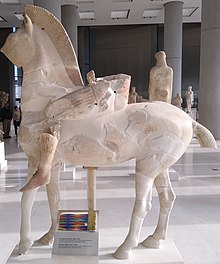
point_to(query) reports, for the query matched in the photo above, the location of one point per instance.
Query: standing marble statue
(65, 121)
(161, 80)
(177, 101)
(132, 98)
(141, 99)
(189, 99)
(91, 77)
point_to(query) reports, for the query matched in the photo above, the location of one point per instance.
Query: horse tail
(204, 136)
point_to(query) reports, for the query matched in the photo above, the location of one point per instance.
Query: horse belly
(85, 151)
(96, 143)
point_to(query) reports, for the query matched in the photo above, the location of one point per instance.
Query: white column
(69, 21)
(209, 89)
(53, 6)
(173, 41)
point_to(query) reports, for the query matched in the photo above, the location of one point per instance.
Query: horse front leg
(142, 205)
(166, 198)
(53, 195)
(27, 201)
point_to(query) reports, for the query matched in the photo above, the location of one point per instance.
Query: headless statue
(177, 101)
(132, 95)
(161, 80)
(91, 77)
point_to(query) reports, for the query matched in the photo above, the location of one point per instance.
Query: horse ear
(28, 24)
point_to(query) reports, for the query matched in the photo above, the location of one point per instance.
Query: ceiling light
(2, 19)
(87, 15)
(150, 13)
(19, 16)
(188, 11)
(123, 14)
(121, 1)
(84, 1)
(10, 2)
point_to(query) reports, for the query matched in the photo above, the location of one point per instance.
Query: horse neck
(46, 64)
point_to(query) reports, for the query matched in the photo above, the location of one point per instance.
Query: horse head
(43, 42)
(19, 46)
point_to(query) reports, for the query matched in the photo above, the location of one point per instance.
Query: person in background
(16, 119)
(7, 117)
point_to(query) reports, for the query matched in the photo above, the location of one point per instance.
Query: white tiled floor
(195, 220)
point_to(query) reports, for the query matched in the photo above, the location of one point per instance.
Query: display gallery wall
(122, 49)
(6, 68)
(130, 49)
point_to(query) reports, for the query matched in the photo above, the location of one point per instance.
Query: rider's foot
(47, 144)
(40, 178)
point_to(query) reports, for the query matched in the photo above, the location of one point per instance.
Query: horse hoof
(45, 240)
(24, 246)
(151, 242)
(122, 253)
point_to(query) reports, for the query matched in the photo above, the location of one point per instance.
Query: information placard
(75, 242)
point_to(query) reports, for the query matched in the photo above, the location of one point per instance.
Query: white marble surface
(3, 161)
(194, 224)
(167, 253)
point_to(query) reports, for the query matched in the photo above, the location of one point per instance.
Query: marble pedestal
(3, 161)
(167, 254)
(68, 174)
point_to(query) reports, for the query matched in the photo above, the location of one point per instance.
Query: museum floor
(194, 224)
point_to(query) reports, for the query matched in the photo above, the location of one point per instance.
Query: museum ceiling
(107, 12)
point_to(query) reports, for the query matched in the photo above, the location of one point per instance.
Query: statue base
(174, 175)
(67, 174)
(3, 161)
(168, 253)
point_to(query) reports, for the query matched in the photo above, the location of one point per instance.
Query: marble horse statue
(65, 121)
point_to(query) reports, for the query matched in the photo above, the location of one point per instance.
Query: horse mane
(60, 39)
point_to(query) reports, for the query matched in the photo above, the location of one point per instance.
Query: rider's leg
(47, 145)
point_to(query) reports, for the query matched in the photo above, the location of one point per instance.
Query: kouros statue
(189, 99)
(65, 121)
(161, 80)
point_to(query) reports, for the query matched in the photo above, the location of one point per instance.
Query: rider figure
(48, 142)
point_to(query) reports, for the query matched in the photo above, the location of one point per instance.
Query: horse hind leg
(142, 205)
(27, 201)
(166, 198)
